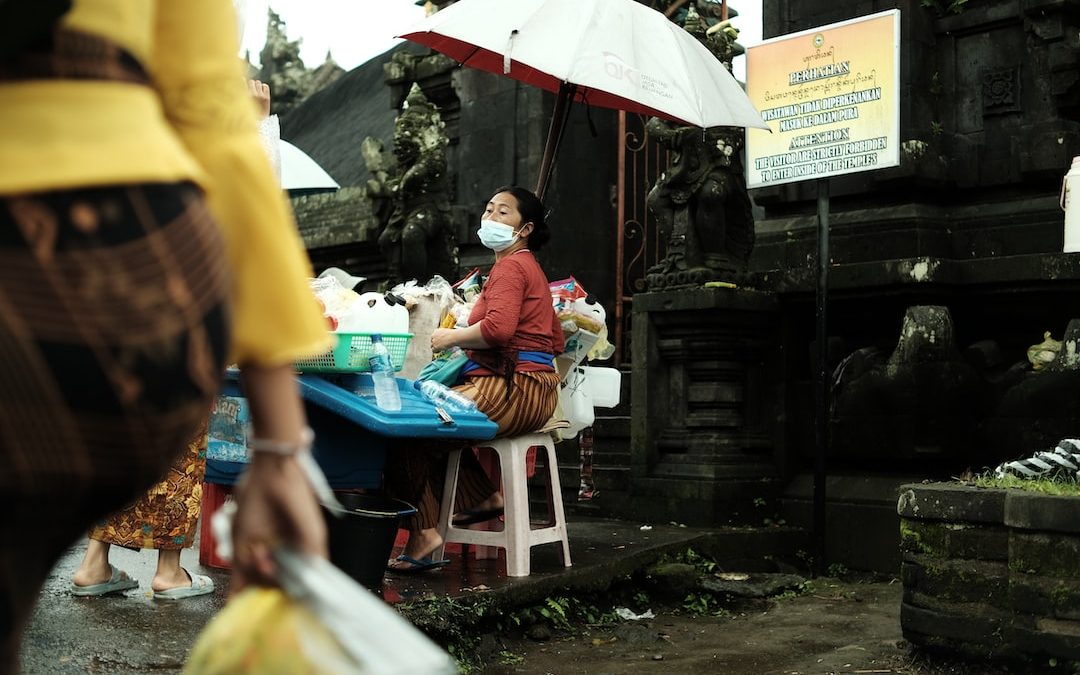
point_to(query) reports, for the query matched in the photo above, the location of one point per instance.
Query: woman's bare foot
(169, 573)
(167, 581)
(422, 543)
(94, 568)
(492, 503)
(490, 508)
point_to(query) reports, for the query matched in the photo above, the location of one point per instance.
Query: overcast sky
(356, 30)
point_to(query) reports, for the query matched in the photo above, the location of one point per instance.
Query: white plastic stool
(518, 536)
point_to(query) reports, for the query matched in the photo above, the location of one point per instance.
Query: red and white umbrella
(608, 53)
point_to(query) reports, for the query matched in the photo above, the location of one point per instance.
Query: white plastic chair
(517, 536)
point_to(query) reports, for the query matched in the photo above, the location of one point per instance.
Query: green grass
(1068, 487)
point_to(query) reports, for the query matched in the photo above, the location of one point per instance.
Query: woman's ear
(526, 229)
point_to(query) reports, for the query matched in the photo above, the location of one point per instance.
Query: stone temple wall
(991, 573)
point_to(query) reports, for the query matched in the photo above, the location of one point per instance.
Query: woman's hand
(260, 91)
(275, 505)
(443, 339)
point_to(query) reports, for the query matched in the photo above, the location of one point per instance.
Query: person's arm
(503, 295)
(275, 316)
(558, 340)
(275, 502)
(205, 98)
(269, 125)
(466, 338)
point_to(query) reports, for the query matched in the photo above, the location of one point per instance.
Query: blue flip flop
(417, 565)
(118, 582)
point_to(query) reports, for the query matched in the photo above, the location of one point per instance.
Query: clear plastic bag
(319, 621)
(335, 299)
(437, 288)
(428, 307)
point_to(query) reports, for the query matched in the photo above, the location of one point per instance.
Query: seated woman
(512, 339)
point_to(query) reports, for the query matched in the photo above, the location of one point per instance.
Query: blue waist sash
(542, 358)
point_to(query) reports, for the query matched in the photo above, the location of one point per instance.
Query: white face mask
(496, 236)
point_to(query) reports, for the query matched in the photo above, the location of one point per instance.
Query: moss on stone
(1047, 555)
(911, 537)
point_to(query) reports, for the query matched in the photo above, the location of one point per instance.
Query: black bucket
(361, 541)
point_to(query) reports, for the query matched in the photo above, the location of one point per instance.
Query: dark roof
(335, 218)
(331, 124)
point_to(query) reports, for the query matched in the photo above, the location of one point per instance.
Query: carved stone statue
(700, 202)
(921, 403)
(382, 166)
(283, 69)
(410, 194)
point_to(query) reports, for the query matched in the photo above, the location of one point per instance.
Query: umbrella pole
(554, 136)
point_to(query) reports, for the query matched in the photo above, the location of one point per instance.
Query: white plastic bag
(320, 622)
(378, 639)
(438, 288)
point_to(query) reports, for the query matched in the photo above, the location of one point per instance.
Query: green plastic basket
(352, 352)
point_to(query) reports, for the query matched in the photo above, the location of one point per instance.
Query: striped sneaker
(1064, 460)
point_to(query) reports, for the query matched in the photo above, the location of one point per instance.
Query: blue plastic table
(352, 398)
(352, 432)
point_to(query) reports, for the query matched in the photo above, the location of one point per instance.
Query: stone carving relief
(700, 202)
(409, 194)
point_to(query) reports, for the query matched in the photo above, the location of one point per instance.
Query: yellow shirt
(196, 123)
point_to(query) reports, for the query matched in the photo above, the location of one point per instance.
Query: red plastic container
(213, 497)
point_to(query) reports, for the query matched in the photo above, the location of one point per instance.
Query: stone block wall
(991, 573)
(988, 125)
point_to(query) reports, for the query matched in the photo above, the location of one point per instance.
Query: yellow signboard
(830, 96)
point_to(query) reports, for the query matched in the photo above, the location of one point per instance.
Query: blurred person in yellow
(166, 517)
(144, 244)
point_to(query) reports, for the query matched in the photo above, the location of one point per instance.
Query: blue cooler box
(351, 431)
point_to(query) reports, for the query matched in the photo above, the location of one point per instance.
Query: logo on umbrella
(617, 69)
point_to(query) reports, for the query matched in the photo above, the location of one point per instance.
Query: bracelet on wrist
(282, 448)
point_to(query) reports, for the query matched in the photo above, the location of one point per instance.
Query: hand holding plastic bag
(262, 630)
(319, 621)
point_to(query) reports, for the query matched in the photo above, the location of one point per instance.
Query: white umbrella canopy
(607, 53)
(301, 173)
(620, 54)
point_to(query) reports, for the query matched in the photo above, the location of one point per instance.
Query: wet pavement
(133, 633)
(121, 633)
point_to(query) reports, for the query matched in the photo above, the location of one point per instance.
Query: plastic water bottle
(443, 396)
(387, 395)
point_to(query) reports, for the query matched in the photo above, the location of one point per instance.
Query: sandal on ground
(200, 585)
(416, 565)
(118, 582)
